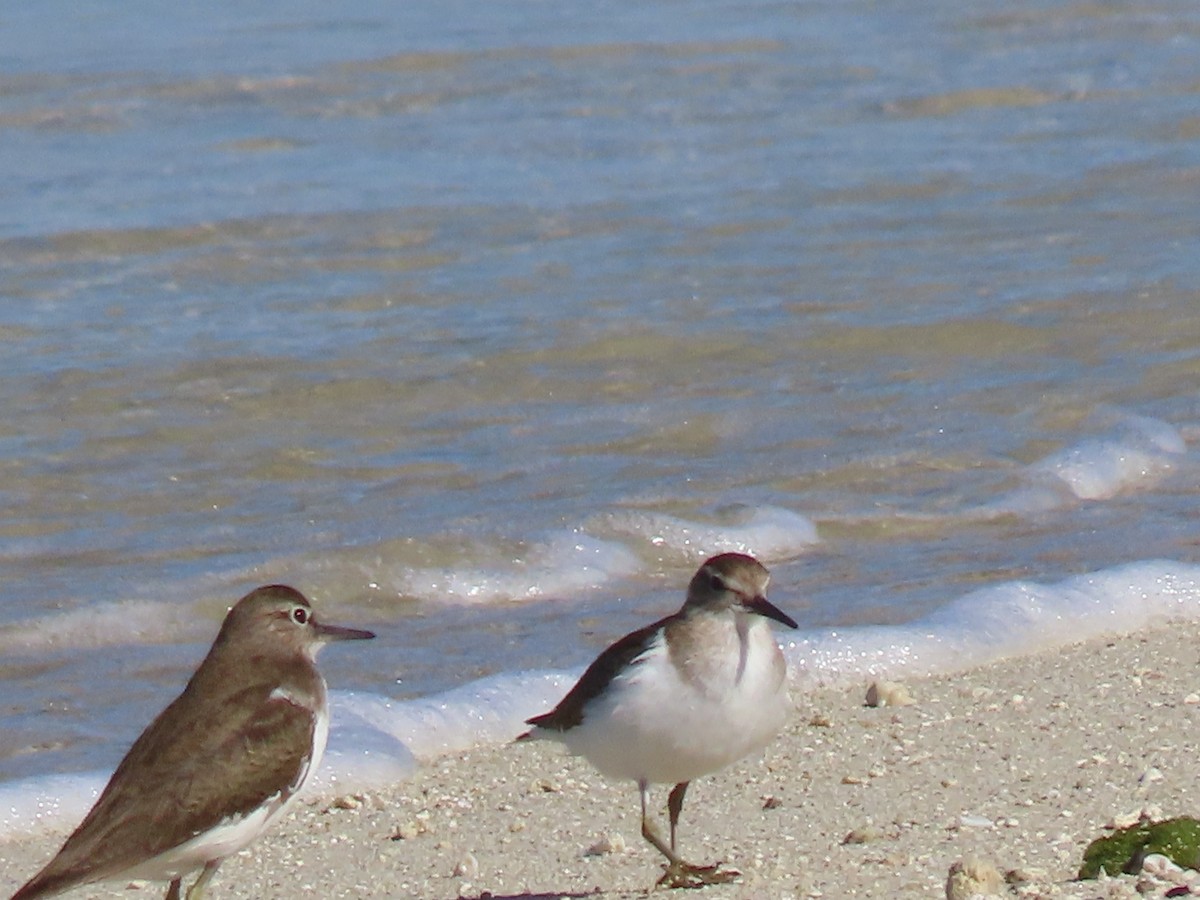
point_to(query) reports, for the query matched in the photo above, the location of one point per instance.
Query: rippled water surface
(482, 324)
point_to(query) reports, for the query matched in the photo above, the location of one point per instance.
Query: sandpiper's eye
(300, 614)
(716, 582)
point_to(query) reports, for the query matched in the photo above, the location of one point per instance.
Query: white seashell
(888, 693)
(1161, 867)
(1124, 820)
(610, 843)
(973, 877)
(967, 820)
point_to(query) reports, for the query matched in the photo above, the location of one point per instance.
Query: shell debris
(972, 877)
(610, 843)
(888, 693)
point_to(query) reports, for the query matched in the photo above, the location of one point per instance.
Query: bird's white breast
(668, 718)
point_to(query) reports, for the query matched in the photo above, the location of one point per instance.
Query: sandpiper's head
(734, 581)
(279, 618)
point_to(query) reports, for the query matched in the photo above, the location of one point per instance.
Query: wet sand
(1019, 764)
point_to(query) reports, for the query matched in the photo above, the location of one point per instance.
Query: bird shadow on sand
(553, 895)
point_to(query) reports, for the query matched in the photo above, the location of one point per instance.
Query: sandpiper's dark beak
(338, 633)
(765, 607)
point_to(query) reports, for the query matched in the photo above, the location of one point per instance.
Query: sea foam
(562, 564)
(375, 741)
(1129, 453)
(102, 625)
(1007, 619)
(577, 561)
(1003, 620)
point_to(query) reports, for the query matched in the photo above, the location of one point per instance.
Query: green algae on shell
(1124, 850)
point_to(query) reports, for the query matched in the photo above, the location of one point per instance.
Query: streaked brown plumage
(234, 747)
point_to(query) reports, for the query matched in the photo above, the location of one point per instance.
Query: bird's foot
(685, 875)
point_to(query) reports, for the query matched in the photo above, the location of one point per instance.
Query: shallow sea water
(484, 326)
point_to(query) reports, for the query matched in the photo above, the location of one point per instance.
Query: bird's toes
(685, 875)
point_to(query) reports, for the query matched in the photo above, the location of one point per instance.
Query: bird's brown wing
(606, 666)
(187, 772)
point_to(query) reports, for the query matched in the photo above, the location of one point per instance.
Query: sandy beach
(1019, 764)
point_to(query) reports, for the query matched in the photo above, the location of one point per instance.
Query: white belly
(655, 724)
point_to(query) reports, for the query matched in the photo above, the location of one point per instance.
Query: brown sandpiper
(683, 697)
(220, 764)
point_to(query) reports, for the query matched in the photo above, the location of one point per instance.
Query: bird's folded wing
(186, 774)
(614, 660)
